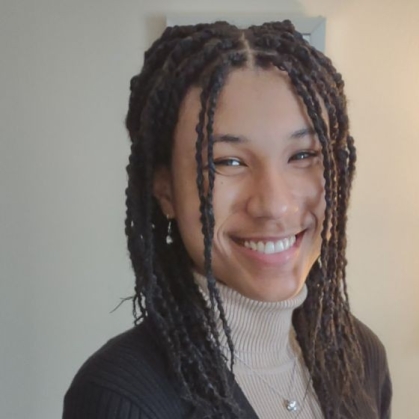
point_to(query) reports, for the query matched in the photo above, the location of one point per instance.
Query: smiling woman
(268, 188)
(238, 185)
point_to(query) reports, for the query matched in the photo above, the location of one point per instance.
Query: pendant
(291, 405)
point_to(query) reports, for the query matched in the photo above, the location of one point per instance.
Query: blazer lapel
(242, 400)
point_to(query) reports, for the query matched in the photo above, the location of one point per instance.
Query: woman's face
(269, 188)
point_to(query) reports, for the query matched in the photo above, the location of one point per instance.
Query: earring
(169, 238)
(319, 261)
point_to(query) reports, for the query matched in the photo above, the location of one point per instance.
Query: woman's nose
(272, 196)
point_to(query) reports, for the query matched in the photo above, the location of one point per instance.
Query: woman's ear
(162, 190)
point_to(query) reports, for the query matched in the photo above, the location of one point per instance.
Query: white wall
(65, 68)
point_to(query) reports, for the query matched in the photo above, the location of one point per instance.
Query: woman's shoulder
(128, 372)
(127, 355)
(377, 374)
(372, 346)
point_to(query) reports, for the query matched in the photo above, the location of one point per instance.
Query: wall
(63, 264)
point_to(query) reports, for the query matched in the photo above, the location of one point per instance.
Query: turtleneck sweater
(127, 378)
(268, 365)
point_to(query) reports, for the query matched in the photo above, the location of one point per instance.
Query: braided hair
(165, 291)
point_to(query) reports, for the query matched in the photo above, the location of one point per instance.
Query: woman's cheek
(228, 197)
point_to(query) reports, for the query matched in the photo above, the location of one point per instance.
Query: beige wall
(65, 67)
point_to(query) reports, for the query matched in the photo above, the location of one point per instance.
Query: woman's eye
(229, 166)
(227, 162)
(304, 155)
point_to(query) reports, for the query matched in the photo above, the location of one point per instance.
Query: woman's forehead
(252, 102)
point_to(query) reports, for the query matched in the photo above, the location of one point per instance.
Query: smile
(270, 247)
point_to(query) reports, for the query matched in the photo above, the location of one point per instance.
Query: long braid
(344, 153)
(337, 265)
(165, 289)
(209, 96)
(319, 358)
(325, 312)
(208, 379)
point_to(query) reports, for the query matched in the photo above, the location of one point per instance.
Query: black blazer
(126, 379)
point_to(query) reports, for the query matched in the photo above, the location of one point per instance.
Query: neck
(262, 332)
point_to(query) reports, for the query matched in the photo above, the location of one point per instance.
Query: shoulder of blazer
(377, 374)
(132, 366)
(372, 347)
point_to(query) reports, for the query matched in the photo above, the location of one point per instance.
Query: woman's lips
(270, 250)
(270, 246)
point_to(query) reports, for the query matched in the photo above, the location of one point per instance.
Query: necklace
(289, 403)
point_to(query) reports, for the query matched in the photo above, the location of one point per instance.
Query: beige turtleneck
(268, 364)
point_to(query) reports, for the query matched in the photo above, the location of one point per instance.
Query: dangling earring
(169, 238)
(319, 261)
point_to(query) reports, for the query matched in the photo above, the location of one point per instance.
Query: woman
(238, 185)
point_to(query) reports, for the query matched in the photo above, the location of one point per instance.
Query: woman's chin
(273, 290)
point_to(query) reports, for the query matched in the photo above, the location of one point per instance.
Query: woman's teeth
(269, 248)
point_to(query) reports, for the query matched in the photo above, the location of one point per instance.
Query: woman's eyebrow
(228, 138)
(303, 132)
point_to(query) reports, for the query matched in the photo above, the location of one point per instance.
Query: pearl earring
(319, 261)
(169, 238)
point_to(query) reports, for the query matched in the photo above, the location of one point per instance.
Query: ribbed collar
(262, 332)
